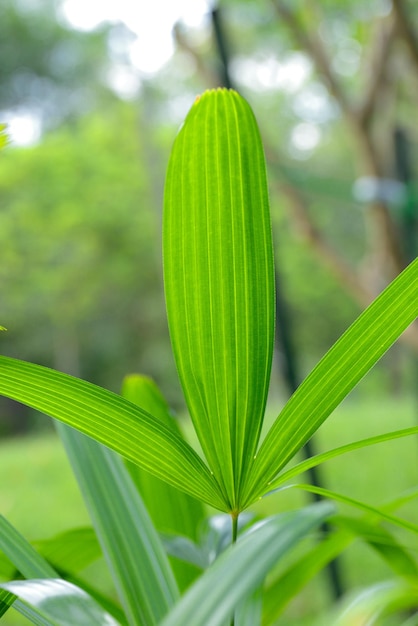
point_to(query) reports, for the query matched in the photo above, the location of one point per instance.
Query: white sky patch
(304, 139)
(124, 81)
(151, 20)
(313, 104)
(269, 73)
(23, 130)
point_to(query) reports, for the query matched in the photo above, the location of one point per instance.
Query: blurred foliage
(80, 271)
(48, 69)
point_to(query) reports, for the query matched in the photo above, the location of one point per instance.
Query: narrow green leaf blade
(219, 280)
(113, 421)
(171, 510)
(369, 606)
(362, 506)
(385, 544)
(56, 602)
(317, 459)
(23, 556)
(354, 354)
(130, 543)
(242, 567)
(288, 584)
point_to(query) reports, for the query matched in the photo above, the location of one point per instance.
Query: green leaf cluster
(138, 474)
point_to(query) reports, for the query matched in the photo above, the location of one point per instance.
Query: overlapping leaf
(130, 543)
(56, 602)
(218, 273)
(113, 421)
(243, 566)
(351, 357)
(171, 510)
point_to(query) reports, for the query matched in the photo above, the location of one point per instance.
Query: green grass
(40, 497)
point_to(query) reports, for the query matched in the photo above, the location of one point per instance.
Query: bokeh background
(93, 94)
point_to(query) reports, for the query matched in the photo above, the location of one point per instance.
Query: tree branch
(312, 45)
(405, 29)
(345, 274)
(376, 70)
(211, 78)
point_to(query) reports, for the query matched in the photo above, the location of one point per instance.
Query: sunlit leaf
(317, 459)
(219, 284)
(334, 377)
(113, 421)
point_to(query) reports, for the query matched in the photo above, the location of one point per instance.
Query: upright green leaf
(113, 421)
(354, 354)
(130, 543)
(219, 281)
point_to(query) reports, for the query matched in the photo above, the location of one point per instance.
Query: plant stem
(234, 517)
(234, 527)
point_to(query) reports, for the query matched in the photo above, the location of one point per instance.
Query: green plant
(218, 271)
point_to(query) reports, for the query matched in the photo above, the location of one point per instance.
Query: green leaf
(23, 556)
(133, 551)
(113, 421)
(219, 280)
(383, 542)
(55, 602)
(285, 587)
(70, 551)
(249, 612)
(370, 605)
(363, 506)
(185, 549)
(6, 601)
(171, 510)
(317, 459)
(293, 579)
(334, 377)
(243, 566)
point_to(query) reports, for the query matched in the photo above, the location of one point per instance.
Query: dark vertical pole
(403, 167)
(409, 218)
(283, 325)
(222, 48)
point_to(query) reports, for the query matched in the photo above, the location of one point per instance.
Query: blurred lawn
(39, 495)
